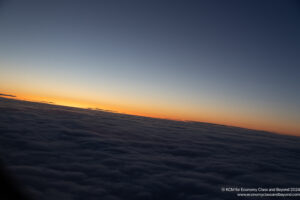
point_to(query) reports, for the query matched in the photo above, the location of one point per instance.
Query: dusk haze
(232, 62)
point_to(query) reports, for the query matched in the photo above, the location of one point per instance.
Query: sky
(226, 62)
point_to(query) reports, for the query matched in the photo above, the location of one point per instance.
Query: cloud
(61, 152)
(7, 95)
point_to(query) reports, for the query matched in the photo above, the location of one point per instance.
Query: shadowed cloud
(7, 95)
(69, 153)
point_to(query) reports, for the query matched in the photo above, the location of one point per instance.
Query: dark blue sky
(187, 59)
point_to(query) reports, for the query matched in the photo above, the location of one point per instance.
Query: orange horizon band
(146, 113)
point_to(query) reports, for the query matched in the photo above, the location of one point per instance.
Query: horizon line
(14, 97)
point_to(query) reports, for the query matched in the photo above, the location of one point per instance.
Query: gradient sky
(228, 62)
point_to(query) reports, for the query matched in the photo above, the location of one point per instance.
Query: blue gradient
(242, 55)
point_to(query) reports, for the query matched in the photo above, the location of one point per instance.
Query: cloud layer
(70, 153)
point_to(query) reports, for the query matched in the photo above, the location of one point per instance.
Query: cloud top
(61, 152)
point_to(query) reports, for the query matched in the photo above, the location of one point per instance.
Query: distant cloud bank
(7, 95)
(77, 154)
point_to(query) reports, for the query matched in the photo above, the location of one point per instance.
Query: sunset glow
(165, 113)
(181, 63)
